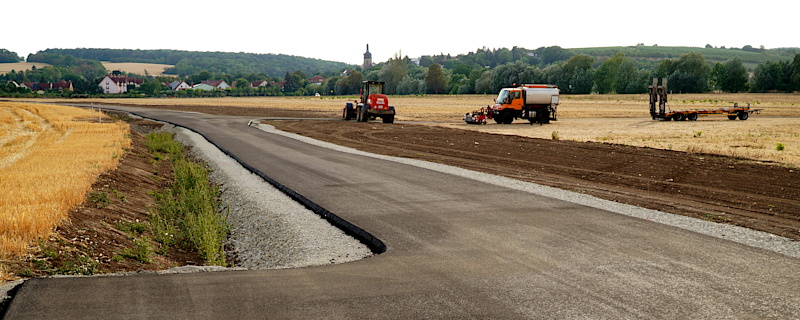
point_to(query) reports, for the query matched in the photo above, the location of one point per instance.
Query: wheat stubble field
(49, 158)
(618, 119)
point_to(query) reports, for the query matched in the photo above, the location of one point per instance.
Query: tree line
(484, 71)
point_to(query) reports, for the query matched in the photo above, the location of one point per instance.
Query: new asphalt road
(455, 248)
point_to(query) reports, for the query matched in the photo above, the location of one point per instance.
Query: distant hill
(650, 56)
(190, 62)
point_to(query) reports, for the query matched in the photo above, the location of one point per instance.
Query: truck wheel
(388, 119)
(731, 117)
(692, 117)
(679, 117)
(508, 118)
(744, 115)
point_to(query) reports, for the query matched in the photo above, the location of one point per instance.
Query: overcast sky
(339, 30)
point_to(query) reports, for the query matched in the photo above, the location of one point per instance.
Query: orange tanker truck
(535, 102)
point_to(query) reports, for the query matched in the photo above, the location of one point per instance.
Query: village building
(177, 85)
(216, 84)
(112, 84)
(46, 86)
(318, 80)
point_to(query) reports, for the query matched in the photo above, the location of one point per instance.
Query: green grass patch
(188, 213)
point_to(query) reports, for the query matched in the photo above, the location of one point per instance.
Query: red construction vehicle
(476, 117)
(371, 104)
(658, 95)
(535, 102)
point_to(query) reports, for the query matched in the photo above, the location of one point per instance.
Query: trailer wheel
(731, 117)
(692, 117)
(744, 115)
(679, 117)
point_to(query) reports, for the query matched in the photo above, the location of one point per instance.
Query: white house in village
(178, 85)
(203, 86)
(217, 84)
(119, 84)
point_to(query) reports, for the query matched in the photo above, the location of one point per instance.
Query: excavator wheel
(388, 119)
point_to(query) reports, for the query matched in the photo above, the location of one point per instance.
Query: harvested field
(154, 69)
(20, 66)
(49, 158)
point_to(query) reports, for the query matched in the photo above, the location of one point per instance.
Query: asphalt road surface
(455, 248)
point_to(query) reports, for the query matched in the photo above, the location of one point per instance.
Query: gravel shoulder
(269, 230)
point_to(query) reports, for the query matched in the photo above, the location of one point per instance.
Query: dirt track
(759, 196)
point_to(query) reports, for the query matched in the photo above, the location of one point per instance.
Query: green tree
(349, 84)
(435, 81)
(8, 56)
(150, 87)
(241, 83)
(578, 74)
(734, 76)
(766, 77)
(394, 71)
(690, 75)
(606, 75)
(796, 73)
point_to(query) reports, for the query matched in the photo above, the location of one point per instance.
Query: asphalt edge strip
(373, 243)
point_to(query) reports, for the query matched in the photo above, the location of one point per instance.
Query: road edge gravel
(733, 233)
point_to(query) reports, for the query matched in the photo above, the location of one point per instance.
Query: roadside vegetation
(188, 213)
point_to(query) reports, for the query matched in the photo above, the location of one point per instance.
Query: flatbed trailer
(742, 113)
(658, 95)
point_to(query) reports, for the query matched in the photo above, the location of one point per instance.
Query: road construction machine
(372, 104)
(535, 102)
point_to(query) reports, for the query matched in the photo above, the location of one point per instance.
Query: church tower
(367, 59)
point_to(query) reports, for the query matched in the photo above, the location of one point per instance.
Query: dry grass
(49, 158)
(622, 119)
(153, 69)
(19, 66)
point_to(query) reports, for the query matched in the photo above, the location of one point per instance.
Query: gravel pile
(737, 234)
(269, 229)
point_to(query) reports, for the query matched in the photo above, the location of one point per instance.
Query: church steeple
(367, 59)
